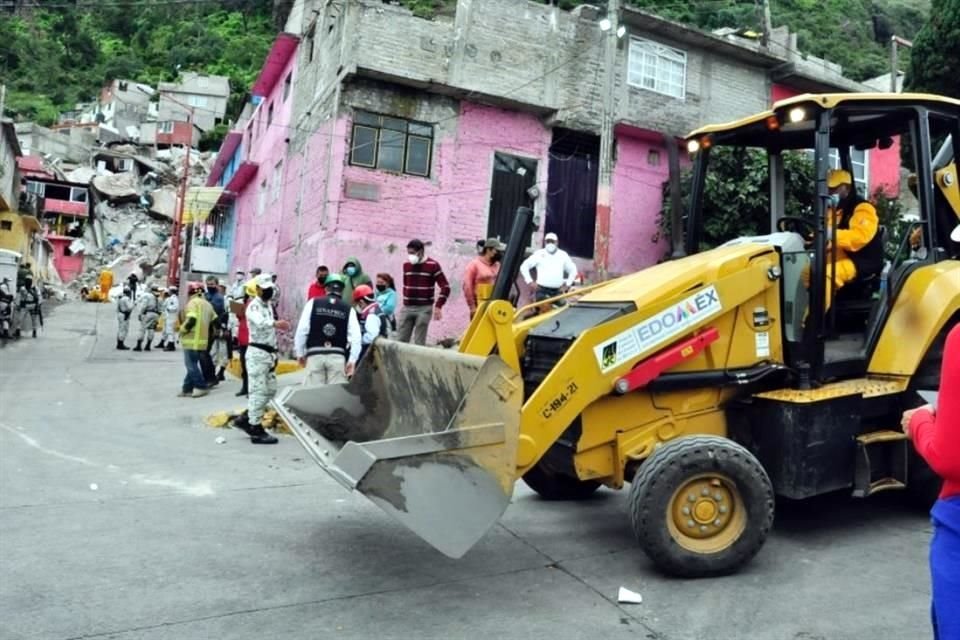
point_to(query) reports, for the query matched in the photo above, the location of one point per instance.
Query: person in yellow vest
(859, 245)
(194, 338)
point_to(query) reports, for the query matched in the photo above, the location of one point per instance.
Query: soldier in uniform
(149, 314)
(28, 306)
(6, 308)
(261, 361)
(327, 341)
(124, 309)
(171, 307)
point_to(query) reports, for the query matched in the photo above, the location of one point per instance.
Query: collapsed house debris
(135, 203)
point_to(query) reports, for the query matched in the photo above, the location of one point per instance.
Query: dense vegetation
(57, 56)
(936, 58)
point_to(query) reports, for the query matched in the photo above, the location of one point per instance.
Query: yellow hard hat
(251, 287)
(837, 177)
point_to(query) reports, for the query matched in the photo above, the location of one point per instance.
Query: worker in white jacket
(171, 309)
(555, 269)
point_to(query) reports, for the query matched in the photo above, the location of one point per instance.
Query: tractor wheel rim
(706, 513)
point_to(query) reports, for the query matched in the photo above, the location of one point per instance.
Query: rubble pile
(133, 213)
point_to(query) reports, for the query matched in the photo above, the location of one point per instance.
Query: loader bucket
(428, 435)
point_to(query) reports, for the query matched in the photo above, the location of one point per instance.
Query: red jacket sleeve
(937, 437)
(444, 286)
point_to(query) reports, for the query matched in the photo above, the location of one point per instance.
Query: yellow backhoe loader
(710, 383)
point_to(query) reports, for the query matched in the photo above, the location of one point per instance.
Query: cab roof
(862, 119)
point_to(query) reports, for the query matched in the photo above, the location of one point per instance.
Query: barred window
(391, 144)
(657, 68)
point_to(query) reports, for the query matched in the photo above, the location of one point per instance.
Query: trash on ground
(625, 596)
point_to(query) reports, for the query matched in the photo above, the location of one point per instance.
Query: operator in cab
(859, 243)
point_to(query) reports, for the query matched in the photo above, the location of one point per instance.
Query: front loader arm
(600, 356)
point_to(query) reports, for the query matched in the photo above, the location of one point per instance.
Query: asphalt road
(121, 517)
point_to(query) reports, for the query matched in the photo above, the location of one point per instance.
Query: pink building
(63, 212)
(377, 127)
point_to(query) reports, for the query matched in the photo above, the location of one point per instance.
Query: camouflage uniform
(171, 307)
(149, 314)
(124, 309)
(261, 363)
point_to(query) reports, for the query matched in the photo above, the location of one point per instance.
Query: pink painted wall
(884, 169)
(448, 210)
(68, 267)
(258, 235)
(635, 241)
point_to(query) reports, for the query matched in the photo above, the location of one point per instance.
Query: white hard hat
(550, 236)
(955, 235)
(264, 281)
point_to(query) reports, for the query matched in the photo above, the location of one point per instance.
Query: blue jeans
(194, 378)
(945, 568)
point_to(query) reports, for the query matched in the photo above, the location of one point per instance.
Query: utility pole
(609, 28)
(767, 23)
(894, 63)
(3, 99)
(174, 270)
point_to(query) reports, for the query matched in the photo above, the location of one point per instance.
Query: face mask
(213, 290)
(266, 294)
(351, 271)
(323, 278)
(413, 258)
(381, 287)
(834, 200)
(551, 247)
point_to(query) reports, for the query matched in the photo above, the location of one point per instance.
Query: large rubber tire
(551, 485)
(655, 495)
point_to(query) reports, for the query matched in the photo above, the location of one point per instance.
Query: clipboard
(930, 397)
(237, 308)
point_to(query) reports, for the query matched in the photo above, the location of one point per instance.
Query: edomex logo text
(682, 315)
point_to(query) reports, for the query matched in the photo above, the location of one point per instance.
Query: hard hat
(194, 287)
(335, 278)
(362, 291)
(264, 281)
(494, 243)
(550, 236)
(955, 234)
(250, 287)
(837, 177)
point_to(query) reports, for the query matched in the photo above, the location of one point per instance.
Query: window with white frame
(656, 67)
(859, 160)
(197, 101)
(165, 127)
(277, 182)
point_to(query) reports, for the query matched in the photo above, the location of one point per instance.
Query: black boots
(149, 344)
(139, 346)
(160, 345)
(170, 347)
(258, 435)
(121, 346)
(220, 375)
(242, 392)
(34, 333)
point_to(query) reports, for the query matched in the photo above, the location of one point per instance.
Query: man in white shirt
(327, 341)
(555, 270)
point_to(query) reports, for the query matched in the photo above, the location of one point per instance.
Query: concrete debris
(81, 175)
(122, 187)
(221, 440)
(162, 203)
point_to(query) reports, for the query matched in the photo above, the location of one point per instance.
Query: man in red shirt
(421, 276)
(936, 436)
(317, 288)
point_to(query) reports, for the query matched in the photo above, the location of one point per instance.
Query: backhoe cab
(710, 384)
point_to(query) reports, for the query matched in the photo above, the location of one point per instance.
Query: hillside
(56, 56)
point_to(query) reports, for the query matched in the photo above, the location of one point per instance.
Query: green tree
(935, 60)
(736, 198)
